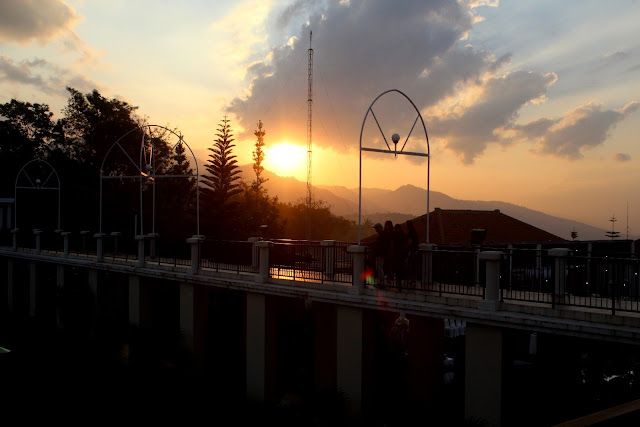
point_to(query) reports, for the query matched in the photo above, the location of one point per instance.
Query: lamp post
(36, 184)
(395, 138)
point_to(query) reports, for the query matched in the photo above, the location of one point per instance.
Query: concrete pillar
(492, 274)
(59, 293)
(10, 284)
(483, 374)
(426, 251)
(263, 248)
(349, 358)
(187, 318)
(33, 287)
(559, 273)
(425, 347)
(140, 240)
(359, 279)
(139, 303)
(328, 258)
(194, 243)
(255, 254)
(14, 233)
(94, 289)
(325, 328)
(65, 247)
(476, 267)
(99, 246)
(261, 333)
(37, 233)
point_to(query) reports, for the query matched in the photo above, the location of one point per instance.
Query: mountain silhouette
(409, 201)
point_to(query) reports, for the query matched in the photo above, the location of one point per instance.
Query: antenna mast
(309, 139)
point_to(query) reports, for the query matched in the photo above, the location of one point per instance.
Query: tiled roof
(453, 227)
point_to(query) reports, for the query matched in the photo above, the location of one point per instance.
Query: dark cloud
(25, 21)
(468, 130)
(361, 48)
(42, 75)
(622, 157)
(581, 129)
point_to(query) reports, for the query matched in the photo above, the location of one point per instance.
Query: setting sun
(286, 159)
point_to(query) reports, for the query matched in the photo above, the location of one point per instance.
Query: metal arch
(139, 168)
(427, 154)
(33, 186)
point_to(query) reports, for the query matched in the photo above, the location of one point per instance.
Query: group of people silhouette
(396, 253)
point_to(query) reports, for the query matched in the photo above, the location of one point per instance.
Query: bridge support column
(139, 303)
(559, 273)
(94, 289)
(193, 311)
(426, 250)
(260, 339)
(483, 373)
(33, 287)
(59, 293)
(325, 328)
(140, 240)
(10, 284)
(349, 357)
(359, 280)
(426, 349)
(328, 258)
(263, 248)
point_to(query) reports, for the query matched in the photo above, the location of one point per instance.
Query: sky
(529, 102)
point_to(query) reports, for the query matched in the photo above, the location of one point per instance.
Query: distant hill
(409, 202)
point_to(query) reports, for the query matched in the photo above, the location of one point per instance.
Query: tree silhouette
(221, 184)
(258, 158)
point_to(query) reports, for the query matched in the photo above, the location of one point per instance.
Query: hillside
(409, 201)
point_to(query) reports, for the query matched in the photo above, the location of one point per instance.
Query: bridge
(558, 290)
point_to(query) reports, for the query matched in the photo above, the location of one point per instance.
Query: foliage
(221, 185)
(325, 225)
(258, 158)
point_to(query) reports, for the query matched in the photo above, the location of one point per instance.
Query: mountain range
(408, 202)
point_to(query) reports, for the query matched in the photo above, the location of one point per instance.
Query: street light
(395, 138)
(36, 184)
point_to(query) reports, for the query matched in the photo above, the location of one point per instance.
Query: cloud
(581, 129)
(622, 157)
(35, 20)
(42, 75)
(469, 129)
(361, 48)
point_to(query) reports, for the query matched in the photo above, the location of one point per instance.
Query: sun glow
(286, 158)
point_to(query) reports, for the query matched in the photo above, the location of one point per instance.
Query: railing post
(84, 234)
(194, 242)
(15, 239)
(426, 249)
(559, 273)
(140, 240)
(492, 275)
(263, 248)
(65, 244)
(255, 254)
(99, 246)
(328, 255)
(476, 266)
(37, 233)
(359, 280)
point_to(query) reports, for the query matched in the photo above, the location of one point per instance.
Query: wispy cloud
(43, 76)
(622, 157)
(579, 130)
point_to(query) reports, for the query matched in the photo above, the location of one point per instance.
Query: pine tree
(258, 158)
(222, 183)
